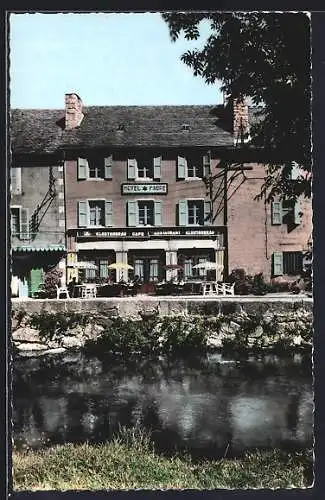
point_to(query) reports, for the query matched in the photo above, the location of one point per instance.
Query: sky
(106, 58)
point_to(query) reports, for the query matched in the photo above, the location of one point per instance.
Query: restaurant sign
(145, 188)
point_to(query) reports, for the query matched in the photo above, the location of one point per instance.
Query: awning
(46, 248)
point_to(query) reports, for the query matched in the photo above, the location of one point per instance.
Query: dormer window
(186, 127)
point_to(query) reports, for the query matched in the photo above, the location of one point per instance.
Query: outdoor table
(77, 289)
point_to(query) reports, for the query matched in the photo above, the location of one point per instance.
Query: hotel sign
(145, 188)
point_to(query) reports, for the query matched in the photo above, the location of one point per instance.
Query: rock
(297, 340)
(258, 332)
(31, 347)
(227, 329)
(92, 331)
(214, 342)
(26, 334)
(74, 332)
(72, 342)
(57, 350)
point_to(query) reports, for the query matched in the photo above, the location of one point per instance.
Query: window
(102, 270)
(193, 166)
(19, 222)
(96, 213)
(15, 180)
(194, 213)
(289, 263)
(153, 269)
(139, 268)
(93, 213)
(144, 167)
(286, 212)
(190, 272)
(95, 168)
(15, 221)
(144, 213)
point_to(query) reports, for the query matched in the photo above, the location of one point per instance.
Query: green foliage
(127, 337)
(259, 287)
(264, 56)
(183, 334)
(52, 325)
(52, 279)
(243, 282)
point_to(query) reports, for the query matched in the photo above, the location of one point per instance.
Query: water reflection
(208, 405)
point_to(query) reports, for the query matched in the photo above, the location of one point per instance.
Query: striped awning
(45, 248)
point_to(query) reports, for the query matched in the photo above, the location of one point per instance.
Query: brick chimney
(240, 121)
(73, 111)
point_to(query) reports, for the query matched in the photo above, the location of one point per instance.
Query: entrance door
(147, 269)
(36, 278)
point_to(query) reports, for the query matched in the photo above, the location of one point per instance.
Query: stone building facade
(137, 190)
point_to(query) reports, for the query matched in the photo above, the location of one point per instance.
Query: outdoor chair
(62, 290)
(89, 292)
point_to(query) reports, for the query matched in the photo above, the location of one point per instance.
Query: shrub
(243, 282)
(259, 286)
(51, 281)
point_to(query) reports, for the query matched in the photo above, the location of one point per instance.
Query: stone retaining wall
(241, 323)
(128, 307)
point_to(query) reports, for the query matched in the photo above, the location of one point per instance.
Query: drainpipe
(225, 223)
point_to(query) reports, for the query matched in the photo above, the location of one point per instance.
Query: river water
(210, 406)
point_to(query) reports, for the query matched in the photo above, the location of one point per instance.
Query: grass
(130, 462)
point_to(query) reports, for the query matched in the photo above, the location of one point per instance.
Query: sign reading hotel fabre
(145, 188)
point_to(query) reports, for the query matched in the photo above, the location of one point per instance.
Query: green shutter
(132, 168)
(277, 263)
(207, 213)
(82, 213)
(181, 167)
(108, 213)
(16, 180)
(24, 224)
(132, 213)
(158, 213)
(157, 167)
(182, 213)
(206, 166)
(297, 213)
(108, 167)
(276, 213)
(83, 169)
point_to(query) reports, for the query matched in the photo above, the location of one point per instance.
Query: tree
(266, 57)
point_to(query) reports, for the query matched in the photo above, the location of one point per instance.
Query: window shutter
(181, 167)
(108, 213)
(24, 224)
(157, 167)
(277, 263)
(83, 213)
(207, 213)
(296, 213)
(276, 213)
(108, 167)
(295, 171)
(133, 215)
(83, 169)
(158, 213)
(182, 213)
(132, 168)
(206, 166)
(16, 180)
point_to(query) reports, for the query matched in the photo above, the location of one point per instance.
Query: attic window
(186, 127)
(121, 127)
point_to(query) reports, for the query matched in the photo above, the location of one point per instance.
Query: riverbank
(279, 326)
(130, 462)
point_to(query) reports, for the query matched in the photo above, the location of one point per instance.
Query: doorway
(148, 266)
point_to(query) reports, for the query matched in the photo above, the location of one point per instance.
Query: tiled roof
(42, 131)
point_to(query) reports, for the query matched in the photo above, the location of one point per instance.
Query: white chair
(62, 290)
(89, 291)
